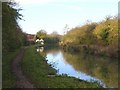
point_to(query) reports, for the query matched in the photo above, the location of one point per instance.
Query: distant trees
(66, 28)
(41, 34)
(52, 38)
(80, 35)
(105, 31)
(12, 35)
(102, 36)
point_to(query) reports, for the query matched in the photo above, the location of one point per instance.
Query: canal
(86, 67)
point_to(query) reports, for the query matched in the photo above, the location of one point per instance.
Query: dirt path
(22, 81)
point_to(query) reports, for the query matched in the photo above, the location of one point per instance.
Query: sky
(53, 15)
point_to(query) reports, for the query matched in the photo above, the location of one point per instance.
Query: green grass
(8, 79)
(37, 69)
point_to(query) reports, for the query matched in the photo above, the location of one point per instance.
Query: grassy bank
(8, 79)
(37, 69)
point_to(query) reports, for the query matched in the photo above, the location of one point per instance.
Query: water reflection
(40, 49)
(64, 67)
(99, 67)
(84, 66)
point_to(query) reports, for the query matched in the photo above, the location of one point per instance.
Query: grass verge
(36, 68)
(8, 78)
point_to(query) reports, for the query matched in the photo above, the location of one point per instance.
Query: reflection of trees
(52, 49)
(43, 53)
(103, 69)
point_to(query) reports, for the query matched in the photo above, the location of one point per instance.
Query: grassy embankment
(36, 68)
(8, 79)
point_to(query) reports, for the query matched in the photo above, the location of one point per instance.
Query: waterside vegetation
(94, 38)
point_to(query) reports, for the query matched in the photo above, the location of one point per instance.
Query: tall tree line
(102, 37)
(12, 35)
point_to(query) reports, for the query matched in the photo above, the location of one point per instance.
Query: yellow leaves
(104, 32)
(99, 37)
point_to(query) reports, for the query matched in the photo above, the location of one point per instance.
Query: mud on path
(21, 80)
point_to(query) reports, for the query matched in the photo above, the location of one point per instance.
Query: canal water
(86, 67)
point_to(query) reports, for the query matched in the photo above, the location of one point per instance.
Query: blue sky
(53, 15)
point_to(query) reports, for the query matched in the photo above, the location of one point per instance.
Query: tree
(66, 28)
(53, 38)
(12, 35)
(54, 33)
(104, 34)
(41, 34)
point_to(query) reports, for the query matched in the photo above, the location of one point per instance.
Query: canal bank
(43, 75)
(84, 66)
